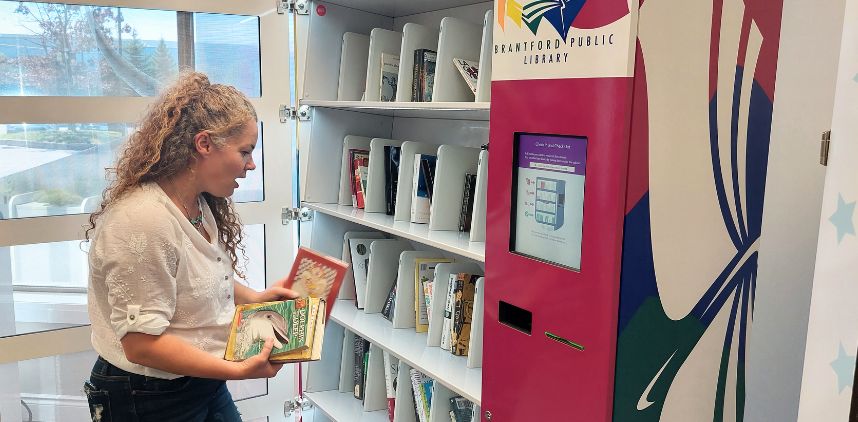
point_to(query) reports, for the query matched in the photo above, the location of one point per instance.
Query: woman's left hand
(277, 292)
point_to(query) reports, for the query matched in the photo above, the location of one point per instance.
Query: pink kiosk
(628, 153)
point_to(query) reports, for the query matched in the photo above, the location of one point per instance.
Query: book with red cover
(359, 160)
(317, 275)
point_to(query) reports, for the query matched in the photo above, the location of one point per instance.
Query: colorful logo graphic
(559, 13)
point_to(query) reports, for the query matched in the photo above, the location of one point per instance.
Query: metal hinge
(300, 7)
(302, 214)
(302, 113)
(825, 145)
(298, 403)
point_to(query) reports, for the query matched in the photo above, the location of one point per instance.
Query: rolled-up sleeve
(140, 257)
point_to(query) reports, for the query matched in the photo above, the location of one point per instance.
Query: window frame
(280, 239)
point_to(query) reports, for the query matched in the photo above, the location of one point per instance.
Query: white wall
(832, 336)
(807, 68)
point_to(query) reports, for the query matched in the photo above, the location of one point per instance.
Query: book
(461, 409)
(391, 177)
(421, 197)
(391, 372)
(291, 323)
(424, 274)
(422, 387)
(317, 276)
(361, 350)
(449, 302)
(360, 252)
(423, 74)
(463, 311)
(467, 212)
(359, 162)
(389, 303)
(469, 69)
(389, 76)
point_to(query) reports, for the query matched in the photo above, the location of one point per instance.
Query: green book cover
(286, 322)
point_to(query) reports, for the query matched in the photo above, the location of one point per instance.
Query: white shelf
(410, 347)
(344, 407)
(451, 241)
(430, 110)
(398, 8)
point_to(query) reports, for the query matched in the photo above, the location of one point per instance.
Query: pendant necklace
(197, 221)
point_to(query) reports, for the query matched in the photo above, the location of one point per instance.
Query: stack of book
(297, 325)
(422, 387)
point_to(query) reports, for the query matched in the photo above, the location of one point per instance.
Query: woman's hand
(277, 292)
(258, 366)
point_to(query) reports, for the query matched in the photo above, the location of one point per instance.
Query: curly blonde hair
(163, 146)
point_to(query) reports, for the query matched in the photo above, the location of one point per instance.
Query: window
(72, 50)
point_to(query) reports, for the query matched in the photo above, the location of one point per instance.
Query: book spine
(415, 83)
(387, 309)
(391, 370)
(417, 385)
(466, 213)
(359, 372)
(463, 314)
(427, 75)
(447, 327)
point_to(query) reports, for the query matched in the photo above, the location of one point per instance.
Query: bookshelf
(338, 74)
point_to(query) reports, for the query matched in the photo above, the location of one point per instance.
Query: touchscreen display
(548, 197)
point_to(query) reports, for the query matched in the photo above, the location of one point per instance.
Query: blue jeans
(115, 395)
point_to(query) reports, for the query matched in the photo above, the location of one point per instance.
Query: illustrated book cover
(296, 325)
(316, 275)
(389, 76)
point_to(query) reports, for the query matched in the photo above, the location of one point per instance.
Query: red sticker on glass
(321, 10)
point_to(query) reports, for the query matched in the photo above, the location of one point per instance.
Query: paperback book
(469, 70)
(389, 76)
(317, 276)
(421, 198)
(423, 74)
(359, 162)
(296, 325)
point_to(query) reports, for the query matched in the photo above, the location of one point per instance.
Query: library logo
(559, 13)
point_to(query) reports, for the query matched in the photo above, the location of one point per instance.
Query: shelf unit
(323, 139)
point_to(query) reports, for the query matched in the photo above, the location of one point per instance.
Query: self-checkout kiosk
(628, 148)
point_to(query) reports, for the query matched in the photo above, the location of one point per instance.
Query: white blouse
(152, 272)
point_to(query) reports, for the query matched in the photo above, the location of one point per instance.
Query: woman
(162, 261)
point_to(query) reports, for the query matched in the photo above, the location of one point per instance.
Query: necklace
(197, 221)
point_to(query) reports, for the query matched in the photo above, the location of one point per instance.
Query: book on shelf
(422, 384)
(391, 373)
(360, 252)
(463, 312)
(359, 162)
(389, 76)
(391, 176)
(461, 409)
(421, 197)
(467, 212)
(389, 303)
(361, 351)
(296, 325)
(316, 275)
(424, 276)
(449, 303)
(469, 69)
(423, 75)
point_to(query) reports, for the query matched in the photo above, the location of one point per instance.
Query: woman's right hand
(258, 366)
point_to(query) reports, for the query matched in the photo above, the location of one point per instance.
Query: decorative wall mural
(702, 116)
